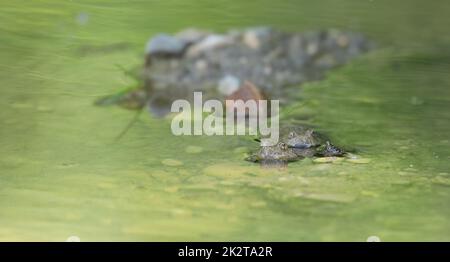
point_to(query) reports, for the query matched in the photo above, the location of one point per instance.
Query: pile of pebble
(218, 64)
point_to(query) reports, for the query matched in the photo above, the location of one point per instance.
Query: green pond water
(62, 173)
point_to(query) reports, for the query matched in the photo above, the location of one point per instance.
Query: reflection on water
(62, 173)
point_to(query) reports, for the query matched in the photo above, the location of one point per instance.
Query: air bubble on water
(373, 239)
(416, 101)
(73, 239)
(82, 18)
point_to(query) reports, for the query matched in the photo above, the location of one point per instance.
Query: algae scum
(63, 174)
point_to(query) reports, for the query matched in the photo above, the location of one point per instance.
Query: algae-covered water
(63, 173)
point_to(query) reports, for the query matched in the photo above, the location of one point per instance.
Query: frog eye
(283, 146)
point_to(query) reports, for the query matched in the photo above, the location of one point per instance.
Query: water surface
(62, 173)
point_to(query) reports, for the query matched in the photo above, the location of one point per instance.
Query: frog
(329, 150)
(303, 141)
(278, 153)
(301, 137)
(297, 143)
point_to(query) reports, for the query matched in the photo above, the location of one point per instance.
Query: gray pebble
(164, 44)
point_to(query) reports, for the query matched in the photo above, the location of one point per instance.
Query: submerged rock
(193, 149)
(171, 162)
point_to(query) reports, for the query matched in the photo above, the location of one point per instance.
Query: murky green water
(63, 174)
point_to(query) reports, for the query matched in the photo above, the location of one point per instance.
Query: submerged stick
(130, 124)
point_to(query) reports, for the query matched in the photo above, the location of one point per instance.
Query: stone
(254, 38)
(191, 35)
(248, 91)
(228, 85)
(201, 66)
(208, 43)
(251, 40)
(164, 44)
